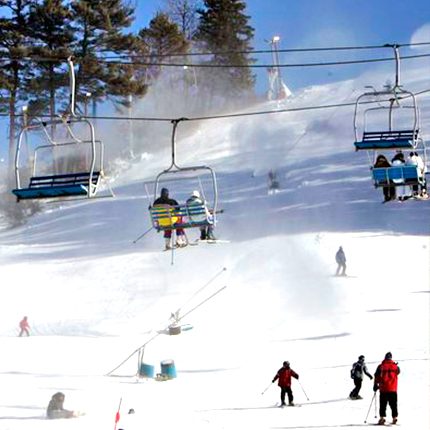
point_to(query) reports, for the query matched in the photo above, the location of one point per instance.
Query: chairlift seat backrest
(165, 217)
(71, 184)
(396, 176)
(388, 139)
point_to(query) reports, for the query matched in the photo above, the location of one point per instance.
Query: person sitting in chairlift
(399, 160)
(181, 239)
(389, 192)
(206, 231)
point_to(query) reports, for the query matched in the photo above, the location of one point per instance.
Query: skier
(24, 327)
(386, 381)
(206, 232)
(273, 181)
(358, 370)
(341, 262)
(56, 409)
(180, 233)
(284, 375)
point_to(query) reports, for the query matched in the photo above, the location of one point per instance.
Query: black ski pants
(288, 391)
(356, 390)
(391, 399)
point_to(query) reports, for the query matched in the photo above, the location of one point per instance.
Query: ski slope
(93, 297)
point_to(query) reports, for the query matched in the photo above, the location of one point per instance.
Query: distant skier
(284, 375)
(341, 262)
(195, 201)
(24, 327)
(56, 407)
(359, 369)
(273, 182)
(180, 233)
(386, 381)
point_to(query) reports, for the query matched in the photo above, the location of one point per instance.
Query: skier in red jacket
(284, 382)
(386, 381)
(24, 327)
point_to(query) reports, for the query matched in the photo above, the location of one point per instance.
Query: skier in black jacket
(164, 199)
(358, 370)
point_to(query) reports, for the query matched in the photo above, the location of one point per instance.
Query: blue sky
(319, 23)
(313, 23)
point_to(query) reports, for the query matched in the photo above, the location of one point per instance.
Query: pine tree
(162, 37)
(51, 34)
(224, 31)
(14, 71)
(99, 31)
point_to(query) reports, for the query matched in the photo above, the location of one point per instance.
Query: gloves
(375, 388)
(371, 377)
(273, 380)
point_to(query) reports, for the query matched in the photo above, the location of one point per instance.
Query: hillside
(93, 296)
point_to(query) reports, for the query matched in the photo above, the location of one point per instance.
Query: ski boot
(394, 420)
(381, 421)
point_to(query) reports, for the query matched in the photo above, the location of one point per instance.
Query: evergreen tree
(51, 34)
(224, 31)
(14, 71)
(162, 37)
(99, 30)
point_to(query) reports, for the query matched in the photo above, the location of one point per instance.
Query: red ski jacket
(386, 376)
(284, 377)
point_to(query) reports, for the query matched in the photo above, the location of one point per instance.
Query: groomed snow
(93, 297)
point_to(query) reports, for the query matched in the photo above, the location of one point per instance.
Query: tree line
(37, 36)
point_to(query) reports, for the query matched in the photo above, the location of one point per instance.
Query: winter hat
(361, 357)
(286, 363)
(196, 194)
(164, 191)
(388, 356)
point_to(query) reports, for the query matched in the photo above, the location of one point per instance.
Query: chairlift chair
(166, 217)
(54, 179)
(393, 101)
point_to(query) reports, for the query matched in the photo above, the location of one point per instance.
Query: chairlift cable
(235, 66)
(202, 118)
(266, 66)
(250, 52)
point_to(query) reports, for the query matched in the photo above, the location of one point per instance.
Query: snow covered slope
(93, 297)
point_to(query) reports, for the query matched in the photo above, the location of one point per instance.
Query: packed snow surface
(94, 298)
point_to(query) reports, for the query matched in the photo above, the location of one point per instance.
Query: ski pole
(303, 390)
(117, 415)
(370, 407)
(266, 388)
(376, 407)
(143, 234)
